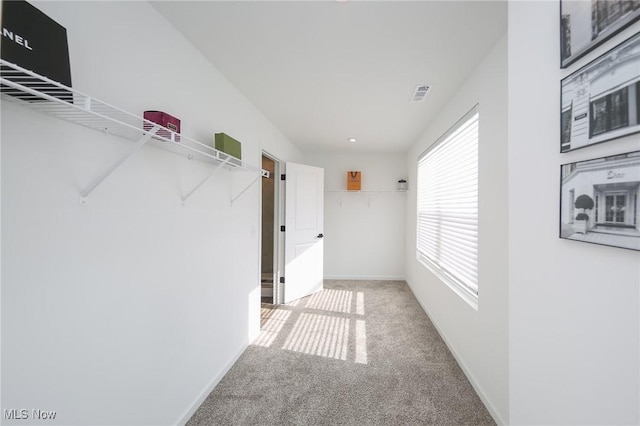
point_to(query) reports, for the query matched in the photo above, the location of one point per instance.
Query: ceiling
(327, 71)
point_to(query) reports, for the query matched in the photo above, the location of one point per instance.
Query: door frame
(278, 237)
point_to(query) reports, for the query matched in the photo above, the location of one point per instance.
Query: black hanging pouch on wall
(37, 43)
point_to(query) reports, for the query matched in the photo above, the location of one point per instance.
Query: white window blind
(447, 228)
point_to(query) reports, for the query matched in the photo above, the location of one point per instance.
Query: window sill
(469, 298)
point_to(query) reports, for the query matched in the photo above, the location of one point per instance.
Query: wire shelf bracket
(246, 188)
(212, 174)
(89, 189)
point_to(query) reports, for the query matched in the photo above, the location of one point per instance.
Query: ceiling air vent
(420, 93)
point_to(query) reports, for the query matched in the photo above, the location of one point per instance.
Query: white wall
(129, 309)
(364, 232)
(477, 338)
(573, 307)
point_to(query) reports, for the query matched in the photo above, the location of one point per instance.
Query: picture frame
(601, 101)
(586, 24)
(600, 201)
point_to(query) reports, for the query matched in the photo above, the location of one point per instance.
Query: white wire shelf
(368, 193)
(24, 87)
(350, 191)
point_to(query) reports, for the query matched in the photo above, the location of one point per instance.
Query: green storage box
(228, 145)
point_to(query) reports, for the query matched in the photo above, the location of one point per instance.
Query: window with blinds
(447, 228)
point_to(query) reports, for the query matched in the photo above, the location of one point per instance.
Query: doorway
(269, 265)
(298, 203)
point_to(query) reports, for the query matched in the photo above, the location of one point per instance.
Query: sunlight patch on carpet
(360, 303)
(272, 322)
(331, 300)
(321, 335)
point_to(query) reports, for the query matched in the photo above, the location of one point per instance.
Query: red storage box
(165, 120)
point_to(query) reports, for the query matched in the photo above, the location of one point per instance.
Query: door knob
(320, 236)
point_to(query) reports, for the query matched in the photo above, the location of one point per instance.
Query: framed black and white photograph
(599, 201)
(601, 101)
(585, 24)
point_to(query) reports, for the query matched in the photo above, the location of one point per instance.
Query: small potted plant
(585, 203)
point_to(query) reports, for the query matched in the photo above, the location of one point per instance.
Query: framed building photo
(586, 24)
(601, 101)
(599, 201)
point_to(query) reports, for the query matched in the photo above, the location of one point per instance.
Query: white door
(304, 227)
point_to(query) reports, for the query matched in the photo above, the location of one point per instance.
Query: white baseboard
(207, 390)
(366, 277)
(476, 386)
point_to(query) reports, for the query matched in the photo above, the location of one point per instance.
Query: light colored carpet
(358, 353)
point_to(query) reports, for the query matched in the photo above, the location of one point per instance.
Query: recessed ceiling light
(352, 139)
